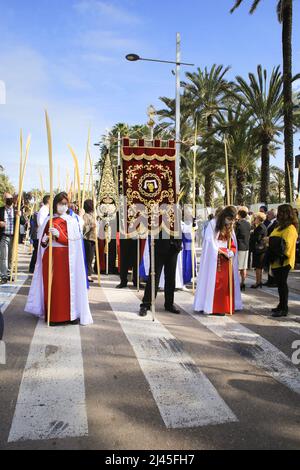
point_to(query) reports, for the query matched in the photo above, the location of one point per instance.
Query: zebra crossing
(52, 402)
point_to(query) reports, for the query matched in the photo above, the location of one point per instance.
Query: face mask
(62, 209)
(9, 202)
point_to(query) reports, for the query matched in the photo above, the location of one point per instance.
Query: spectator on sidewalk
(282, 248)
(272, 217)
(7, 229)
(33, 232)
(89, 235)
(242, 231)
(42, 215)
(258, 247)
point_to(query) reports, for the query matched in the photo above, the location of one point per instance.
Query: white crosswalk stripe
(253, 347)
(51, 401)
(184, 395)
(9, 291)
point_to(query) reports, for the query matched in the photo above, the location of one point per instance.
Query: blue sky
(68, 56)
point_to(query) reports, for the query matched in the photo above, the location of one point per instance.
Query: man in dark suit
(128, 260)
(166, 254)
(7, 229)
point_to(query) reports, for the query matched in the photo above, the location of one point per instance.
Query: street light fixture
(134, 58)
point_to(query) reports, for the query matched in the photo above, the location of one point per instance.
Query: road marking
(256, 305)
(51, 400)
(251, 346)
(9, 291)
(184, 395)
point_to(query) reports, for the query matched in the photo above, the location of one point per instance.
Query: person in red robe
(222, 303)
(60, 292)
(218, 289)
(69, 295)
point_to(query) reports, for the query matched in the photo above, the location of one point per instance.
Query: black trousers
(34, 256)
(128, 260)
(89, 247)
(281, 277)
(166, 258)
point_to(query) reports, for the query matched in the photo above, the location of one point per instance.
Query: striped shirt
(9, 221)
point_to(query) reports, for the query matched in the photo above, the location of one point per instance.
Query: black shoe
(121, 286)
(172, 309)
(243, 287)
(256, 286)
(74, 322)
(143, 311)
(280, 313)
(4, 280)
(276, 309)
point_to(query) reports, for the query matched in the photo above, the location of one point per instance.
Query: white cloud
(106, 40)
(33, 85)
(107, 11)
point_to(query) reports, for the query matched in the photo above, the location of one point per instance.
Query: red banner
(149, 186)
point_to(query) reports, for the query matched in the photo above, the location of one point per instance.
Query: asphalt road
(182, 382)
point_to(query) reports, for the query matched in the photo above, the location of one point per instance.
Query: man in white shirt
(42, 215)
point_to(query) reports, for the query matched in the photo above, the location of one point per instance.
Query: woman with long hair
(69, 300)
(282, 248)
(218, 287)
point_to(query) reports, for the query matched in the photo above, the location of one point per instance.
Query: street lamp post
(178, 63)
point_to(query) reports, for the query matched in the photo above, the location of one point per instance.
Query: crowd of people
(234, 241)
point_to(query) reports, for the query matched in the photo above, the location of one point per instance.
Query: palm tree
(277, 184)
(265, 103)
(243, 150)
(285, 17)
(206, 91)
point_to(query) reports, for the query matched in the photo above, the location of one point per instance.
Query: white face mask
(62, 209)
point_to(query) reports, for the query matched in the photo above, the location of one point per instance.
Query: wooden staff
(152, 264)
(95, 219)
(138, 263)
(42, 184)
(22, 169)
(86, 167)
(58, 178)
(50, 266)
(230, 270)
(16, 233)
(194, 209)
(68, 187)
(77, 175)
(106, 247)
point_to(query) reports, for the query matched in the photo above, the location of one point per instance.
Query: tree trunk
(265, 173)
(287, 26)
(209, 186)
(240, 187)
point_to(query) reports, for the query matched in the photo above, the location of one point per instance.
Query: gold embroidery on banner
(149, 158)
